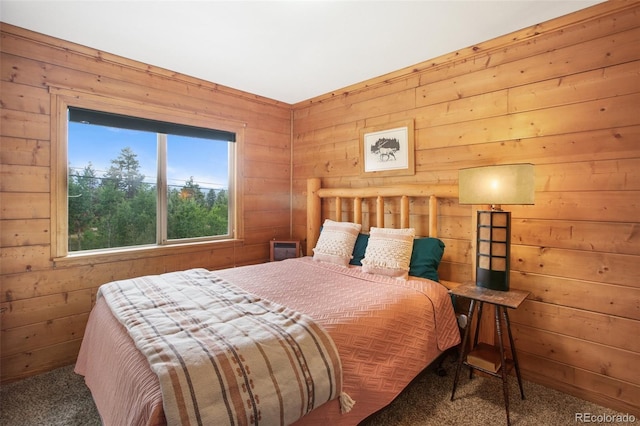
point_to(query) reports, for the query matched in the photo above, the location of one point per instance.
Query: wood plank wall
(564, 95)
(44, 309)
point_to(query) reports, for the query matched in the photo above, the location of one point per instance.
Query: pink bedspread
(387, 331)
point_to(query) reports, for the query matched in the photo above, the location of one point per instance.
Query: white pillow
(336, 242)
(389, 252)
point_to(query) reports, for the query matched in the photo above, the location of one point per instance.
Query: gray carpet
(58, 397)
(61, 398)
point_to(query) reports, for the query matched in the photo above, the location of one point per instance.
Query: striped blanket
(222, 355)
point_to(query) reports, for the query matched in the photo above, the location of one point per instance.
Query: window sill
(141, 252)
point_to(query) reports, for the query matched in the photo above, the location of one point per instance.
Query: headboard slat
(357, 210)
(404, 211)
(380, 212)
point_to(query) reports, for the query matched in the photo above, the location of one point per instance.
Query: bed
(366, 329)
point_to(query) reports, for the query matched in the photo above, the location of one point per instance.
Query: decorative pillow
(425, 258)
(359, 249)
(336, 242)
(389, 252)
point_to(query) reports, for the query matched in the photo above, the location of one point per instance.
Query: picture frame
(388, 149)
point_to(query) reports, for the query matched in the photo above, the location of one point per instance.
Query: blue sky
(203, 159)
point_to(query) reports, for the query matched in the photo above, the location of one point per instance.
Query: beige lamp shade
(495, 185)
(503, 184)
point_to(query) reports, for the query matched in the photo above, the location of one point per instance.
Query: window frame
(61, 100)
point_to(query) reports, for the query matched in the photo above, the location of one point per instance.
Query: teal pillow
(425, 258)
(359, 249)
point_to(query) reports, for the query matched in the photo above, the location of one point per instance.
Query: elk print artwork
(386, 148)
(388, 151)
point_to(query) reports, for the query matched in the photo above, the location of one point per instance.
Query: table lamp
(497, 186)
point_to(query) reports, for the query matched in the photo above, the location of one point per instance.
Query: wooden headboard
(315, 194)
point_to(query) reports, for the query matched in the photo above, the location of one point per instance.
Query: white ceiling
(289, 51)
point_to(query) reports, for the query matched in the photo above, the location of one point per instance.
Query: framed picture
(388, 150)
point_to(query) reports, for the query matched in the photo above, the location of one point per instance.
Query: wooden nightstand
(486, 358)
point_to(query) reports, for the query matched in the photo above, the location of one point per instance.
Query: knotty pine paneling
(48, 333)
(564, 95)
(524, 66)
(24, 178)
(23, 205)
(24, 232)
(44, 306)
(586, 325)
(19, 97)
(29, 311)
(603, 144)
(589, 295)
(40, 359)
(610, 268)
(591, 85)
(24, 151)
(583, 383)
(608, 237)
(29, 125)
(591, 356)
(605, 113)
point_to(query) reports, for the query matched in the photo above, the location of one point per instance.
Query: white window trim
(61, 100)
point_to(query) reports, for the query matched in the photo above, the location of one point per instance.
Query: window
(140, 182)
